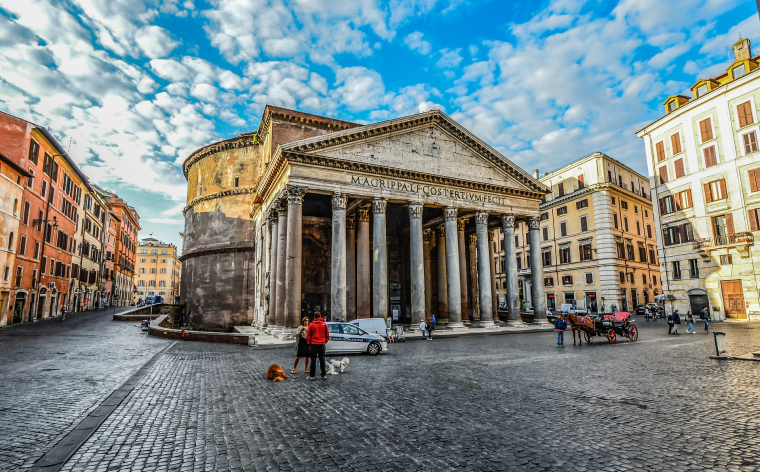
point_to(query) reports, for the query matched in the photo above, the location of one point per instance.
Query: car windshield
(350, 329)
(334, 328)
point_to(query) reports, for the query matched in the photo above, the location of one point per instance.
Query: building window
(547, 258)
(545, 233)
(675, 141)
(581, 183)
(642, 253)
(705, 129)
(629, 249)
(623, 204)
(676, 270)
(7, 273)
(19, 271)
(715, 190)
(725, 259)
(693, 268)
(750, 142)
(678, 165)
(34, 151)
(644, 278)
(567, 280)
(561, 189)
(22, 245)
(237, 182)
(663, 173)
(638, 228)
(701, 90)
(562, 211)
(744, 110)
(563, 228)
(678, 234)
(753, 220)
(519, 260)
(625, 223)
(739, 71)
(649, 231)
(615, 220)
(621, 277)
(635, 207)
(581, 204)
(585, 251)
(589, 278)
(549, 281)
(660, 151)
(683, 200)
(652, 259)
(36, 250)
(584, 223)
(564, 255)
(10, 242)
(544, 216)
(163, 271)
(613, 200)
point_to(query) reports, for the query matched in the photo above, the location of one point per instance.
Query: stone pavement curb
(56, 457)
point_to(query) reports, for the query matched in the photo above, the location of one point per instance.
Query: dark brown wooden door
(733, 298)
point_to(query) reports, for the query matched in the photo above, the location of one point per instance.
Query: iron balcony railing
(732, 239)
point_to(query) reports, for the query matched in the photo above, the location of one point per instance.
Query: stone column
(484, 270)
(417, 263)
(363, 289)
(428, 236)
(510, 259)
(273, 242)
(492, 262)
(294, 257)
(440, 246)
(379, 260)
(474, 291)
(282, 247)
(461, 222)
(536, 273)
(338, 266)
(454, 282)
(350, 269)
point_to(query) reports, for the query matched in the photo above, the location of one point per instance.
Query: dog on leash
(335, 366)
(276, 374)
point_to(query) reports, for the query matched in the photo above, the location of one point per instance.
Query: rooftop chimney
(535, 174)
(742, 49)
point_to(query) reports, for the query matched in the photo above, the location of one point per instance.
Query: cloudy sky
(134, 86)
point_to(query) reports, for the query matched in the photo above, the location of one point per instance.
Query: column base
(486, 324)
(542, 322)
(455, 325)
(515, 323)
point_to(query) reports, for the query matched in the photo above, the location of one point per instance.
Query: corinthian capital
(363, 214)
(450, 213)
(378, 205)
(428, 235)
(461, 222)
(481, 218)
(440, 231)
(508, 221)
(533, 223)
(294, 194)
(339, 201)
(350, 224)
(415, 210)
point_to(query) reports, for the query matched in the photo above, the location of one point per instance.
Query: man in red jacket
(317, 336)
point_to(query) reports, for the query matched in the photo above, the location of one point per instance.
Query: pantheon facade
(389, 220)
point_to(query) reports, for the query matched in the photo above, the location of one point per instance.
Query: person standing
(704, 314)
(63, 313)
(690, 322)
(302, 347)
(676, 322)
(431, 328)
(670, 323)
(317, 335)
(423, 328)
(560, 325)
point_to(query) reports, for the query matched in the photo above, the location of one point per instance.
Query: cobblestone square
(509, 402)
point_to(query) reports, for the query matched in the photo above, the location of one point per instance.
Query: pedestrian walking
(560, 325)
(670, 323)
(302, 347)
(431, 328)
(690, 322)
(704, 315)
(63, 313)
(317, 335)
(676, 322)
(423, 328)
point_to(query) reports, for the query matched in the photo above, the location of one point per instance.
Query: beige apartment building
(703, 161)
(158, 270)
(598, 243)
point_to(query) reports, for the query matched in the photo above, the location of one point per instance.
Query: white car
(372, 325)
(347, 338)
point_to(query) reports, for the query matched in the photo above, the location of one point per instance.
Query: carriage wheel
(611, 336)
(587, 336)
(633, 333)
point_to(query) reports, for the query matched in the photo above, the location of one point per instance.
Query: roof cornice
(242, 141)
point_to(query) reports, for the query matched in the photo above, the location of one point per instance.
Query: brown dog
(276, 374)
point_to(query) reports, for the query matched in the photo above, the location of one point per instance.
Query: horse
(580, 324)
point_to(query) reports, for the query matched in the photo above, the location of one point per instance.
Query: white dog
(335, 366)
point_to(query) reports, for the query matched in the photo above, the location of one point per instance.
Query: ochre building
(311, 213)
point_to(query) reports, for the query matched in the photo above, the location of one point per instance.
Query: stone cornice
(322, 161)
(213, 196)
(242, 141)
(589, 190)
(215, 250)
(433, 117)
(294, 116)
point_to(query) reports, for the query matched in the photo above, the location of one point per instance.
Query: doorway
(18, 308)
(40, 305)
(698, 301)
(590, 299)
(733, 298)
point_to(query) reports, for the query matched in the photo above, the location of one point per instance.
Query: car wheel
(374, 349)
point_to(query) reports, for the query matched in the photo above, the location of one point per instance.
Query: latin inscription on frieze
(427, 190)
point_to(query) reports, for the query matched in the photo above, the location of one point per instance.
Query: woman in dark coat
(302, 347)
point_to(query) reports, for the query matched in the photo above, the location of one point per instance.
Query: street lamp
(38, 222)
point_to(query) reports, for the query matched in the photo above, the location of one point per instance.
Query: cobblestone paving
(53, 373)
(487, 403)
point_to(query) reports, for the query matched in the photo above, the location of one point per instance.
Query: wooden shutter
(708, 193)
(689, 203)
(581, 182)
(563, 228)
(753, 226)
(753, 180)
(663, 174)
(705, 130)
(745, 114)
(675, 141)
(677, 201)
(679, 168)
(729, 223)
(722, 183)
(660, 151)
(710, 158)
(662, 206)
(561, 189)
(584, 224)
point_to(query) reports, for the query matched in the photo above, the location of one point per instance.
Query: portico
(390, 206)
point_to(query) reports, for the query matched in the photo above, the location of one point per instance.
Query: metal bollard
(721, 348)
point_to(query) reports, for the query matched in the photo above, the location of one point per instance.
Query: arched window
(15, 207)
(10, 242)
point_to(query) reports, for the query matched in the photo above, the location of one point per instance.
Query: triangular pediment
(430, 143)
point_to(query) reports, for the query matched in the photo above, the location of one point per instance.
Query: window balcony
(739, 241)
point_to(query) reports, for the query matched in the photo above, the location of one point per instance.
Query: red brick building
(127, 226)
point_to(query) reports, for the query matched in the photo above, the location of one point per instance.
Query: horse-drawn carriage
(609, 326)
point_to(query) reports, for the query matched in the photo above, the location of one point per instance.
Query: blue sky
(137, 85)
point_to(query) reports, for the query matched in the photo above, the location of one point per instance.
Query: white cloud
(415, 42)
(359, 88)
(449, 59)
(154, 41)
